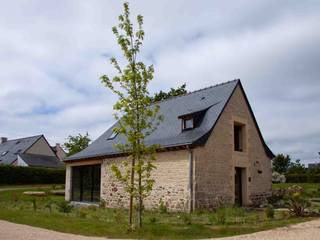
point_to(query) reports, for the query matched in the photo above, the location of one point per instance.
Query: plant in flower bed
(297, 203)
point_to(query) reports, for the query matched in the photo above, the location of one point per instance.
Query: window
(187, 123)
(4, 153)
(112, 136)
(238, 137)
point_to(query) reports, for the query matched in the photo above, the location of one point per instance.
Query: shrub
(82, 213)
(15, 197)
(269, 211)
(152, 220)
(278, 177)
(64, 207)
(102, 203)
(186, 218)
(277, 197)
(49, 206)
(162, 207)
(30, 175)
(297, 203)
(221, 215)
(34, 204)
(303, 178)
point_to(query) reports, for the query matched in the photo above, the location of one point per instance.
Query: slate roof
(168, 134)
(36, 160)
(15, 146)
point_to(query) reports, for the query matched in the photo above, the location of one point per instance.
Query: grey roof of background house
(15, 146)
(168, 133)
(37, 160)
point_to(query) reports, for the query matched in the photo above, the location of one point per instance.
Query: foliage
(278, 177)
(64, 207)
(186, 218)
(137, 117)
(281, 163)
(30, 175)
(76, 143)
(34, 204)
(269, 211)
(303, 178)
(296, 167)
(162, 207)
(221, 215)
(173, 92)
(297, 203)
(277, 197)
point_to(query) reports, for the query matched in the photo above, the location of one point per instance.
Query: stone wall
(171, 183)
(216, 161)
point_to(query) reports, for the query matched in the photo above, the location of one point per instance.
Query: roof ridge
(24, 138)
(198, 90)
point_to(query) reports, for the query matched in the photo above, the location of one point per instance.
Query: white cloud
(52, 54)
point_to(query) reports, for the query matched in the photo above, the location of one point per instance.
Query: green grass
(94, 221)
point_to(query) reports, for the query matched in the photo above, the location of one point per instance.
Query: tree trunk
(131, 195)
(140, 203)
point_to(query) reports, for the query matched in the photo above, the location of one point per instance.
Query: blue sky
(52, 54)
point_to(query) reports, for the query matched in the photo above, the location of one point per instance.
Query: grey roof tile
(14, 147)
(36, 160)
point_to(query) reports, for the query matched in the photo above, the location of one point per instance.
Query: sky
(52, 54)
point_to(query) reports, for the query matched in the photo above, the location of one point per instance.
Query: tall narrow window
(238, 137)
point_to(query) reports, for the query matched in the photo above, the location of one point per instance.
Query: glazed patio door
(86, 183)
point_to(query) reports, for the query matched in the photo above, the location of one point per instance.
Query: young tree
(172, 93)
(76, 143)
(136, 117)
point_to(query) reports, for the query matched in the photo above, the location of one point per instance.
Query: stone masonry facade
(216, 161)
(171, 183)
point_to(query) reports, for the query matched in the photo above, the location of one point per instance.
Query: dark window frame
(239, 137)
(184, 123)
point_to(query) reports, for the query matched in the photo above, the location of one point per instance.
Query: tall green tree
(281, 163)
(173, 92)
(136, 117)
(76, 143)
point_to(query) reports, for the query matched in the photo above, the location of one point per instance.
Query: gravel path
(302, 231)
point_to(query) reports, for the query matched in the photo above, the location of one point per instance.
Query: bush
(277, 197)
(64, 207)
(162, 207)
(152, 220)
(269, 211)
(297, 203)
(303, 178)
(278, 177)
(186, 218)
(30, 175)
(221, 215)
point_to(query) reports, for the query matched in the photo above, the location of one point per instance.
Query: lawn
(94, 221)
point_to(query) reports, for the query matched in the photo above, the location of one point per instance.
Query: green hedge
(303, 178)
(30, 175)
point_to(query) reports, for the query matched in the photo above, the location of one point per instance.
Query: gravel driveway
(302, 231)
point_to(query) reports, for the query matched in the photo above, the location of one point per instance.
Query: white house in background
(32, 151)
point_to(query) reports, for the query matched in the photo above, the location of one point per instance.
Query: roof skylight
(112, 136)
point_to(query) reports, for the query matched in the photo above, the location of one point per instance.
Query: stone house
(212, 152)
(34, 151)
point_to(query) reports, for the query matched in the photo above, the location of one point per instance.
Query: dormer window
(4, 153)
(187, 123)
